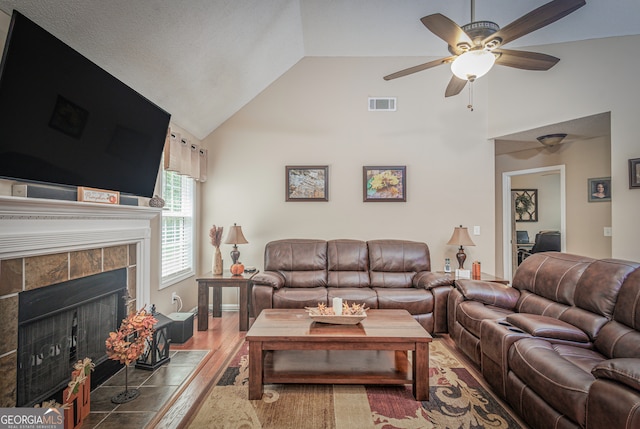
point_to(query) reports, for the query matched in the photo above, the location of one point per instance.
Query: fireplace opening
(63, 323)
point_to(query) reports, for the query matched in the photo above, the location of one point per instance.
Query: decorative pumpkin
(237, 269)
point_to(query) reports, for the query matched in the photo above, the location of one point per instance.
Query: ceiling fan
(477, 46)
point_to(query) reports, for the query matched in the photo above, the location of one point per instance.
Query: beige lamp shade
(460, 237)
(235, 235)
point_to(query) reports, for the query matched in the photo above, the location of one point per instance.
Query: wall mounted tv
(64, 120)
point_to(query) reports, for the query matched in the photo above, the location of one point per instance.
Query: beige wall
(316, 114)
(592, 77)
(585, 221)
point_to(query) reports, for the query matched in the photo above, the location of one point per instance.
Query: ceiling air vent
(382, 103)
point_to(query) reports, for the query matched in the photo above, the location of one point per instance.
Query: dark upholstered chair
(546, 241)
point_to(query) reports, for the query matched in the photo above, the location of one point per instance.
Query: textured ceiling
(202, 60)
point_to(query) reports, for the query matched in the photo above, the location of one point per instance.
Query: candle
(337, 306)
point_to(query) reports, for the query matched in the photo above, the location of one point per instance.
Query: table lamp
(235, 237)
(461, 238)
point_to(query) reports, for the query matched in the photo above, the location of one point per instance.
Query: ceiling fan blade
(447, 30)
(455, 86)
(538, 18)
(525, 60)
(419, 67)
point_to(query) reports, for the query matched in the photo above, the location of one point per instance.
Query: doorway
(509, 245)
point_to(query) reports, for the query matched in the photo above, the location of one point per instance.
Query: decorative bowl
(344, 319)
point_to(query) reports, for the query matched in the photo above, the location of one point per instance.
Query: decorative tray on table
(351, 314)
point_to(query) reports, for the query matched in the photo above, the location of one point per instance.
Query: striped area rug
(458, 399)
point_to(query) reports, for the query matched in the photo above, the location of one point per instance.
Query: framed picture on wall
(599, 189)
(384, 183)
(307, 183)
(634, 173)
(525, 204)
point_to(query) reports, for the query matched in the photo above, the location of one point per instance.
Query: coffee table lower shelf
(337, 367)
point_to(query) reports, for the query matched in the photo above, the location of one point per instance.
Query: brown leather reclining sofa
(562, 345)
(394, 274)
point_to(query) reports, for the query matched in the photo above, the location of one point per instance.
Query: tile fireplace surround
(44, 242)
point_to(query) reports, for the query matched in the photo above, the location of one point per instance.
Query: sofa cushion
(302, 262)
(415, 301)
(394, 263)
(551, 275)
(598, 287)
(623, 370)
(347, 263)
(299, 297)
(354, 295)
(558, 373)
(547, 327)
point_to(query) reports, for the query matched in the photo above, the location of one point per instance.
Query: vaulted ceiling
(202, 60)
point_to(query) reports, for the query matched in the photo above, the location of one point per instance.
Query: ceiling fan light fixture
(552, 139)
(473, 64)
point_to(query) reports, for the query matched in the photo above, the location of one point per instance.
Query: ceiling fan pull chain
(470, 105)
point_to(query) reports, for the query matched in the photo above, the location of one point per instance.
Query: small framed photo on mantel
(92, 195)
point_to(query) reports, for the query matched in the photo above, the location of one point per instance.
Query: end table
(217, 282)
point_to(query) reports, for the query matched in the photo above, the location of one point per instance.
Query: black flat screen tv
(64, 120)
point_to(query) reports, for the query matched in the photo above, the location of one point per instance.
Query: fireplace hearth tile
(187, 357)
(150, 399)
(136, 377)
(8, 365)
(101, 398)
(84, 263)
(9, 324)
(123, 420)
(46, 270)
(168, 376)
(10, 276)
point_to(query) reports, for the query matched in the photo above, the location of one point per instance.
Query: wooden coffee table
(286, 346)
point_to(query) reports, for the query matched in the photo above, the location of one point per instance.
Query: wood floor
(221, 339)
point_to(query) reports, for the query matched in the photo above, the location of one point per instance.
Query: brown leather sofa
(379, 273)
(562, 345)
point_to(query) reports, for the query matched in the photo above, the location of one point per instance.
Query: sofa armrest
(269, 278)
(429, 280)
(490, 293)
(622, 370)
(547, 327)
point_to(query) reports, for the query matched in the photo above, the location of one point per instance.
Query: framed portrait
(307, 183)
(599, 189)
(525, 204)
(634, 173)
(384, 183)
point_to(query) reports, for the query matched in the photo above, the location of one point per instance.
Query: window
(177, 227)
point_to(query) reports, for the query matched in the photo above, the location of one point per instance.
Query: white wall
(316, 114)
(592, 77)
